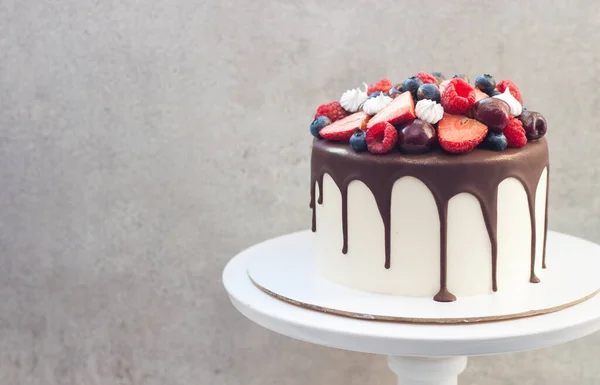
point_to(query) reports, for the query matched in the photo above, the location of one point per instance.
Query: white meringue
(351, 100)
(515, 107)
(376, 104)
(429, 111)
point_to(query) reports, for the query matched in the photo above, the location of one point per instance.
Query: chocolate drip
(478, 173)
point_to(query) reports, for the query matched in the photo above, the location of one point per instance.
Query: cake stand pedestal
(419, 354)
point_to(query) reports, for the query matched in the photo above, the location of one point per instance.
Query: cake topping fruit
(376, 94)
(395, 90)
(428, 91)
(351, 100)
(429, 111)
(317, 125)
(438, 76)
(463, 77)
(381, 138)
(495, 141)
(358, 141)
(399, 110)
(458, 97)
(426, 78)
(515, 106)
(383, 85)
(343, 129)
(495, 92)
(493, 112)
(479, 95)
(534, 124)
(514, 90)
(485, 83)
(515, 133)
(334, 111)
(416, 137)
(459, 134)
(376, 104)
(411, 85)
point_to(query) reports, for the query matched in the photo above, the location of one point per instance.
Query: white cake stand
(419, 354)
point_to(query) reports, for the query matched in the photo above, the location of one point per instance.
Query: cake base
(284, 268)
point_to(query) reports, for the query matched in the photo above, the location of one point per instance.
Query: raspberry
(515, 133)
(381, 138)
(458, 97)
(514, 90)
(426, 78)
(458, 134)
(334, 111)
(383, 85)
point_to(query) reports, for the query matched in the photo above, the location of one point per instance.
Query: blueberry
(412, 84)
(463, 77)
(494, 92)
(438, 76)
(358, 141)
(317, 125)
(495, 141)
(485, 83)
(429, 91)
(375, 94)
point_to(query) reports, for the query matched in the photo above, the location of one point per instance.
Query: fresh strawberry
(457, 133)
(334, 111)
(383, 85)
(399, 110)
(480, 95)
(514, 90)
(426, 78)
(458, 97)
(515, 133)
(381, 138)
(343, 129)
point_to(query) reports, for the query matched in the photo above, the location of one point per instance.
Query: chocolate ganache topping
(478, 172)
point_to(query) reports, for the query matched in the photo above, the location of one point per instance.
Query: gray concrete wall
(144, 143)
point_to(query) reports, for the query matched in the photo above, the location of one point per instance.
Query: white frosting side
(376, 104)
(351, 100)
(429, 111)
(515, 107)
(415, 267)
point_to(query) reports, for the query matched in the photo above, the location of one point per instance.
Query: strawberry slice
(342, 130)
(480, 95)
(458, 134)
(399, 110)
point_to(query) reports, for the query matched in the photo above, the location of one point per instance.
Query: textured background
(143, 143)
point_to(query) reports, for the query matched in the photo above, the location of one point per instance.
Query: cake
(431, 187)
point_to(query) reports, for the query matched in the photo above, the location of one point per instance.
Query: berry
(515, 133)
(463, 77)
(458, 134)
(493, 112)
(318, 124)
(485, 83)
(334, 111)
(495, 93)
(458, 97)
(381, 138)
(428, 91)
(412, 85)
(399, 110)
(439, 77)
(514, 90)
(376, 94)
(383, 85)
(426, 78)
(494, 141)
(534, 124)
(358, 141)
(343, 129)
(479, 95)
(416, 137)
(395, 90)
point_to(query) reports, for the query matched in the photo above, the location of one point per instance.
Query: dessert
(430, 188)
